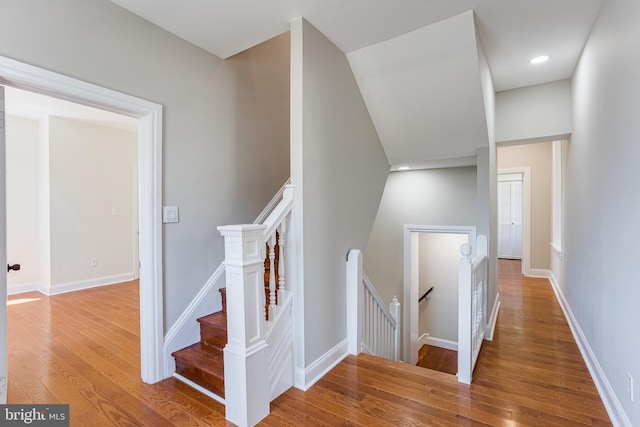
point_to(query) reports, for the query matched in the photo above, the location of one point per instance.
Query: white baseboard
(305, 378)
(21, 288)
(612, 404)
(423, 340)
(439, 342)
(63, 288)
(426, 339)
(79, 285)
(540, 273)
(493, 318)
(186, 330)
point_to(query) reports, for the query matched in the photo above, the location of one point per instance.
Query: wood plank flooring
(82, 348)
(438, 358)
(531, 374)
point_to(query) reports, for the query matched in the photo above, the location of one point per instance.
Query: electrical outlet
(630, 386)
(94, 262)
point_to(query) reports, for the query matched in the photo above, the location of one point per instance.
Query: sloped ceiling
(415, 60)
(425, 95)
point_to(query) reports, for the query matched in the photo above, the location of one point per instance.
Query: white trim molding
(186, 330)
(63, 288)
(493, 319)
(79, 285)
(426, 339)
(21, 288)
(305, 378)
(612, 404)
(526, 214)
(24, 76)
(410, 282)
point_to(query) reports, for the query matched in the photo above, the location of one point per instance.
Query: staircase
(203, 362)
(255, 356)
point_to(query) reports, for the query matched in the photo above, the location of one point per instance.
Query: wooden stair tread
(202, 364)
(213, 329)
(206, 357)
(216, 320)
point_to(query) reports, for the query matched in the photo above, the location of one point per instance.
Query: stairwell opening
(431, 258)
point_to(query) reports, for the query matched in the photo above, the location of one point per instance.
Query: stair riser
(209, 381)
(213, 336)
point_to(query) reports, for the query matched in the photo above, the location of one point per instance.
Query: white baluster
(272, 275)
(281, 269)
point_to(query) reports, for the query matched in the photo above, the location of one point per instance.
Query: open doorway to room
(525, 205)
(432, 260)
(72, 226)
(72, 196)
(149, 166)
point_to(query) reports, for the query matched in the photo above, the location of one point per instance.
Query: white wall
(487, 185)
(64, 178)
(101, 43)
(602, 206)
(421, 197)
(91, 174)
(339, 169)
(23, 183)
(535, 111)
(439, 267)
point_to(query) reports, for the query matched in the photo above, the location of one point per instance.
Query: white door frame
(24, 76)
(410, 280)
(525, 171)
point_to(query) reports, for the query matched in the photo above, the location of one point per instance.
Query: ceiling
(32, 106)
(413, 59)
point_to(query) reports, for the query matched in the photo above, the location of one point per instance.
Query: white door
(3, 259)
(510, 219)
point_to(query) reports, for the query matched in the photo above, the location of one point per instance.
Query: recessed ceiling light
(404, 168)
(539, 59)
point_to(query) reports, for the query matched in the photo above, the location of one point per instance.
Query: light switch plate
(170, 214)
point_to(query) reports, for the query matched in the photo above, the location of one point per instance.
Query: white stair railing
(371, 327)
(472, 303)
(258, 358)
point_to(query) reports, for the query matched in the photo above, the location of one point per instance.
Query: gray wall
(421, 197)
(535, 111)
(602, 203)
(101, 43)
(339, 167)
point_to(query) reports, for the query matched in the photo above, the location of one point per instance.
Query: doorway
(20, 75)
(412, 284)
(510, 216)
(71, 194)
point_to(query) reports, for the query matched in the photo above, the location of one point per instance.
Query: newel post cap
(465, 250)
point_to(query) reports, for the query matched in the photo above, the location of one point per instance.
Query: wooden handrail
(425, 294)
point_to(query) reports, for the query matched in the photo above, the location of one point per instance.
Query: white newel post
(464, 316)
(355, 296)
(246, 376)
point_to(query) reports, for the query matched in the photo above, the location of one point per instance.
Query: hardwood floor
(531, 374)
(82, 348)
(439, 359)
